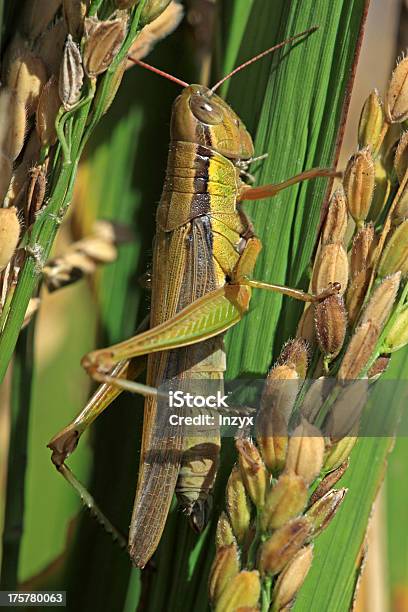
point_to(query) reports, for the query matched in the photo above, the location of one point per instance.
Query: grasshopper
(205, 250)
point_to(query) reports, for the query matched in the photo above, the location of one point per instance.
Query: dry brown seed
(9, 234)
(306, 329)
(12, 131)
(330, 323)
(361, 249)
(152, 10)
(224, 535)
(378, 368)
(37, 15)
(253, 471)
(283, 545)
(291, 579)
(280, 390)
(322, 512)
(330, 267)
(237, 503)
(225, 566)
(285, 500)
(382, 190)
(272, 438)
(305, 452)
(356, 294)
(6, 170)
(50, 46)
(338, 453)
(35, 193)
(344, 415)
(381, 302)
(103, 39)
(335, 224)
(71, 75)
(397, 336)
(74, 13)
(400, 212)
(243, 590)
(315, 397)
(19, 179)
(371, 122)
(26, 77)
(98, 249)
(329, 481)
(47, 110)
(359, 183)
(161, 27)
(396, 102)
(401, 157)
(359, 351)
(295, 353)
(395, 254)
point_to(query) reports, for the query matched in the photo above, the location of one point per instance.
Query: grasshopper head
(202, 117)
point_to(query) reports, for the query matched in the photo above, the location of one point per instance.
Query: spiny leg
(270, 190)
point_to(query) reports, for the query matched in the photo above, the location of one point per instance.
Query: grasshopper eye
(206, 110)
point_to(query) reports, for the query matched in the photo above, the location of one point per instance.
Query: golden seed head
(71, 75)
(356, 294)
(241, 591)
(331, 324)
(345, 413)
(253, 471)
(224, 534)
(238, 507)
(272, 438)
(26, 77)
(280, 390)
(397, 336)
(103, 40)
(361, 251)
(359, 182)
(47, 110)
(381, 302)
(225, 566)
(74, 14)
(378, 368)
(50, 46)
(382, 189)
(335, 224)
(305, 329)
(395, 254)
(329, 481)
(9, 234)
(36, 16)
(401, 157)
(12, 131)
(371, 122)
(322, 512)
(359, 351)
(19, 179)
(161, 27)
(331, 267)
(291, 578)
(283, 545)
(305, 452)
(400, 212)
(285, 500)
(152, 10)
(396, 102)
(338, 453)
(295, 354)
(6, 170)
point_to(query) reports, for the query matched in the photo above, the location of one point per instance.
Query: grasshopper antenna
(166, 75)
(260, 55)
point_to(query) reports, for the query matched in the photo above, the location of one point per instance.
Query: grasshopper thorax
(202, 117)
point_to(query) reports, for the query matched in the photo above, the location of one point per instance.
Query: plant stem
(17, 458)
